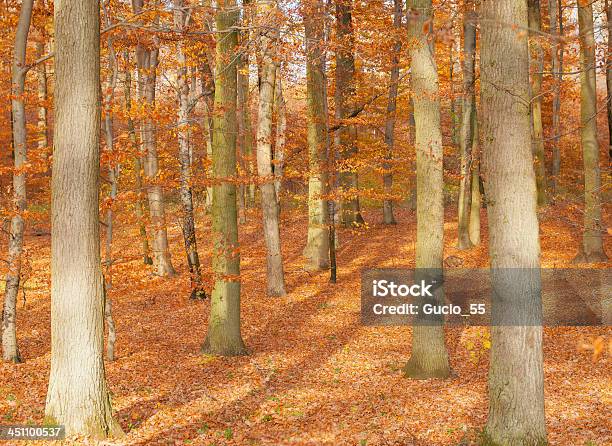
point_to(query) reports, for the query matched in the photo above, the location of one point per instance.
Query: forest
(306, 222)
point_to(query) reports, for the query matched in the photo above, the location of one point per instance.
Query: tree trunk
(476, 200)
(185, 192)
(537, 68)
(554, 12)
(43, 127)
(223, 337)
(467, 135)
(77, 397)
(388, 217)
(113, 178)
(592, 241)
(281, 136)
(269, 203)
(609, 75)
(147, 65)
(429, 356)
(317, 245)
(139, 205)
(10, 350)
(346, 136)
(516, 387)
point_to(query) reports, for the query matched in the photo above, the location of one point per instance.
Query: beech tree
(317, 244)
(555, 13)
(269, 202)
(516, 379)
(592, 249)
(10, 350)
(78, 396)
(429, 356)
(224, 337)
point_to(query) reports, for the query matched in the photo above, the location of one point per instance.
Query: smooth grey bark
(555, 20)
(10, 350)
(467, 134)
(147, 60)
(388, 217)
(429, 355)
(77, 396)
(113, 178)
(137, 147)
(537, 69)
(516, 379)
(475, 199)
(223, 336)
(269, 203)
(183, 122)
(591, 249)
(316, 251)
(345, 138)
(41, 81)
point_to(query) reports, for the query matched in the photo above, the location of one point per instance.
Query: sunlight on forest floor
(315, 376)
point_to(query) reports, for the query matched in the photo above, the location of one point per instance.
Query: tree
(281, 137)
(388, 217)
(555, 13)
(516, 380)
(608, 7)
(223, 337)
(317, 244)
(10, 350)
(269, 202)
(181, 19)
(429, 356)
(346, 137)
(77, 397)
(468, 119)
(147, 59)
(592, 249)
(537, 69)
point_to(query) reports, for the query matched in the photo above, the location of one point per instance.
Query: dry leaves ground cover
(315, 376)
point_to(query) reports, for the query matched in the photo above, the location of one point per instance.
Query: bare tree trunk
(317, 245)
(281, 136)
(608, 7)
(43, 127)
(388, 217)
(113, 178)
(188, 226)
(537, 68)
(139, 205)
(223, 337)
(147, 65)
(476, 199)
(467, 134)
(429, 356)
(269, 203)
(77, 397)
(554, 12)
(516, 379)
(592, 249)
(10, 350)
(346, 137)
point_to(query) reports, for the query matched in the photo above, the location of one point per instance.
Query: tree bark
(608, 7)
(10, 350)
(554, 12)
(467, 134)
(388, 217)
(592, 249)
(139, 205)
(269, 204)
(429, 356)
(281, 136)
(185, 192)
(41, 80)
(537, 68)
(77, 397)
(346, 136)
(223, 337)
(317, 245)
(476, 199)
(516, 380)
(147, 59)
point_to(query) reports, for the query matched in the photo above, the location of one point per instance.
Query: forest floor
(315, 375)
